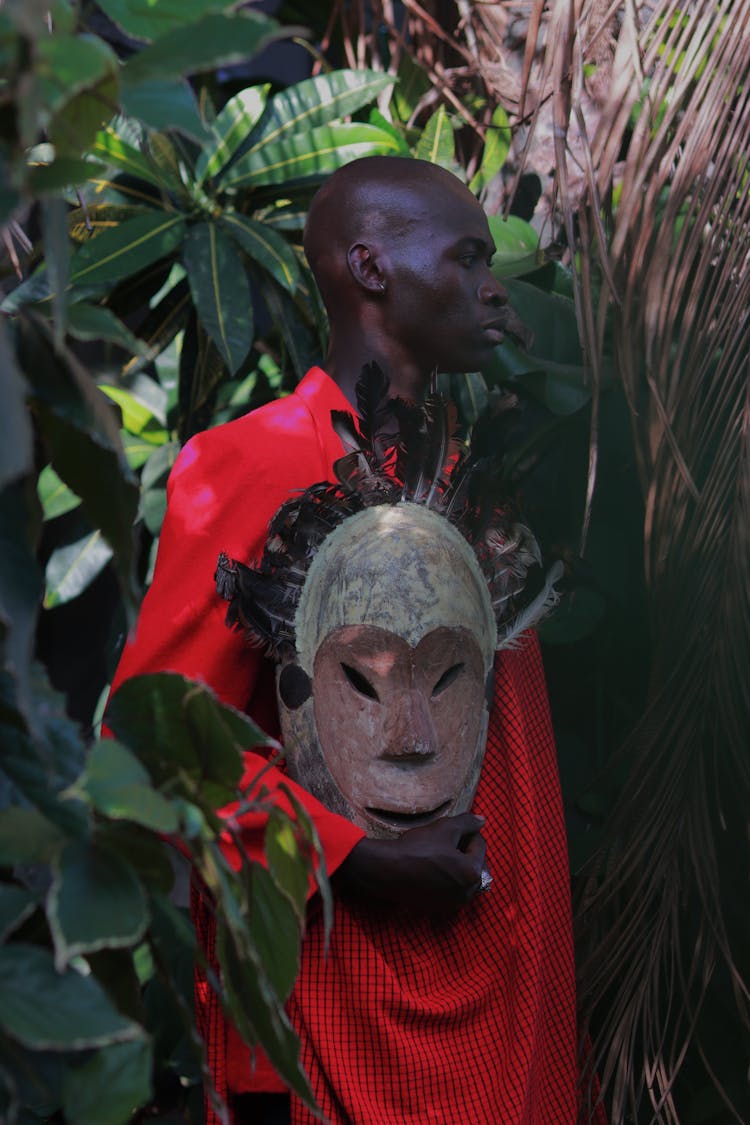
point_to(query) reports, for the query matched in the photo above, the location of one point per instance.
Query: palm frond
(663, 230)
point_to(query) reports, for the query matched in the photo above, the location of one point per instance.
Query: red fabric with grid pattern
(469, 1018)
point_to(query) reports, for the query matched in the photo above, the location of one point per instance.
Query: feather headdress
(395, 452)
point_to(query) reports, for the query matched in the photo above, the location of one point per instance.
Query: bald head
(375, 200)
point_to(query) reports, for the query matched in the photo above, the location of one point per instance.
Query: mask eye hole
(447, 678)
(359, 682)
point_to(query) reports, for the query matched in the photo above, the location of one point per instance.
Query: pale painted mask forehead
(401, 568)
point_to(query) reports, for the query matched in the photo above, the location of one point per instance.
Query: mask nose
(492, 293)
(409, 732)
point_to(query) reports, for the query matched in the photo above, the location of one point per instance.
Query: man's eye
(359, 682)
(468, 259)
(447, 678)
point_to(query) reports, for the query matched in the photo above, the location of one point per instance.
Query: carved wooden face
(383, 712)
(400, 726)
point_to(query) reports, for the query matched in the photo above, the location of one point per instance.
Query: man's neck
(406, 379)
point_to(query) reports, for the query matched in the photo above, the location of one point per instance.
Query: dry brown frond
(664, 228)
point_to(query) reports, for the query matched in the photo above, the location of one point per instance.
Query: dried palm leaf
(672, 260)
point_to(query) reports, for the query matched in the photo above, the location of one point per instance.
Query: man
(436, 1002)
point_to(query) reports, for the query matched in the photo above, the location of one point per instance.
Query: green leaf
(109, 147)
(269, 249)
(213, 41)
(118, 786)
(137, 416)
(413, 82)
(128, 248)
(517, 246)
(107, 1088)
(285, 862)
(315, 102)
(70, 570)
(258, 1013)
(145, 19)
(177, 727)
(437, 143)
(62, 173)
(231, 127)
(55, 496)
(75, 124)
(16, 440)
(95, 902)
(275, 928)
(160, 465)
(94, 322)
(47, 1010)
(220, 291)
(496, 149)
(68, 64)
(16, 904)
(165, 104)
(552, 320)
(153, 509)
(312, 154)
(26, 836)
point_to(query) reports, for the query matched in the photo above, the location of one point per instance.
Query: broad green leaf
(174, 724)
(201, 373)
(76, 123)
(137, 449)
(70, 570)
(285, 862)
(47, 1010)
(413, 82)
(153, 509)
(302, 347)
(16, 904)
(55, 496)
(166, 105)
(26, 836)
(34, 288)
(375, 117)
(496, 149)
(159, 465)
(317, 101)
(259, 1014)
(167, 317)
(308, 155)
(20, 583)
(148, 20)
(118, 786)
(95, 902)
(109, 147)
(517, 246)
(220, 291)
(437, 143)
(16, 437)
(275, 928)
(101, 477)
(231, 127)
(135, 244)
(137, 417)
(107, 1088)
(67, 64)
(63, 172)
(215, 40)
(269, 249)
(143, 850)
(94, 322)
(551, 318)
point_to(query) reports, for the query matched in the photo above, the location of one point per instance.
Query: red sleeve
(223, 490)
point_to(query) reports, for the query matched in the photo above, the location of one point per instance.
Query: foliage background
(140, 145)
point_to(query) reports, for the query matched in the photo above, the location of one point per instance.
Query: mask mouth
(393, 818)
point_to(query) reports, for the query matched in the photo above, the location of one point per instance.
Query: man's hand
(434, 869)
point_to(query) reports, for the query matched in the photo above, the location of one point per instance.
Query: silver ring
(486, 880)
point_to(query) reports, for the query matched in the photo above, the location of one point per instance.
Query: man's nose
(492, 293)
(409, 733)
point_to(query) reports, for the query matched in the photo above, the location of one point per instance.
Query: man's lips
(494, 330)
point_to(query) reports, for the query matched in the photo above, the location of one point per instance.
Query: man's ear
(365, 268)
